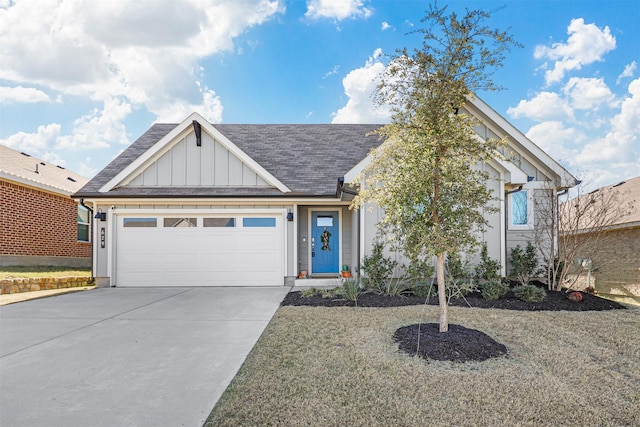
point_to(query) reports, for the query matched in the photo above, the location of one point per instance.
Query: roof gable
(28, 170)
(308, 159)
(176, 160)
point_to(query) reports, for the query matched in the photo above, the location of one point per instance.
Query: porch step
(320, 282)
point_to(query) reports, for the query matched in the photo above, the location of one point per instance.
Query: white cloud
(360, 85)
(385, 26)
(605, 157)
(628, 71)
(99, 129)
(544, 106)
(144, 52)
(333, 71)
(588, 93)
(34, 143)
(586, 44)
(337, 9)
(119, 54)
(19, 94)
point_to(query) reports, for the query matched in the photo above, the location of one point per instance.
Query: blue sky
(82, 79)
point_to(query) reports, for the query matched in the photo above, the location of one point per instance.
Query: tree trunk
(442, 294)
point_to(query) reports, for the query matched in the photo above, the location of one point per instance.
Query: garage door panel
(200, 256)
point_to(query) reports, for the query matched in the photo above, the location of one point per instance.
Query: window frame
(80, 223)
(529, 201)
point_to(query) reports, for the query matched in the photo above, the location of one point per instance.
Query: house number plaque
(102, 237)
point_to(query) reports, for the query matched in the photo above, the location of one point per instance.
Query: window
(520, 208)
(83, 224)
(140, 222)
(219, 222)
(258, 222)
(179, 222)
(324, 221)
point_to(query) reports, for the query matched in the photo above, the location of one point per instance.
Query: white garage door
(199, 250)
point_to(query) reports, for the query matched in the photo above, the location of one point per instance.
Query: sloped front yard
(339, 366)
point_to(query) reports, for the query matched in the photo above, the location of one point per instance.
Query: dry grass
(34, 272)
(339, 367)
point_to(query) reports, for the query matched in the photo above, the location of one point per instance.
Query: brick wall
(617, 257)
(37, 223)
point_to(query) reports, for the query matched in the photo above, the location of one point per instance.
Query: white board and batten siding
(186, 164)
(194, 249)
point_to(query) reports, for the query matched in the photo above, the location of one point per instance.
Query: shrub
(489, 268)
(307, 293)
(377, 270)
(455, 268)
(458, 288)
(524, 263)
(424, 289)
(494, 289)
(530, 293)
(350, 290)
(419, 271)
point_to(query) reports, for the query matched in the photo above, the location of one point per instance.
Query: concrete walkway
(126, 357)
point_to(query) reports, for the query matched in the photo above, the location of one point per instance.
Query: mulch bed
(555, 301)
(460, 344)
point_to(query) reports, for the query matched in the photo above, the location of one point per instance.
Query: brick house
(615, 258)
(40, 224)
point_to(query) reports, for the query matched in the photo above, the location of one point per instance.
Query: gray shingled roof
(308, 159)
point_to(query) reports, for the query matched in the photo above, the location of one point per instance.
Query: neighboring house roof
(627, 193)
(308, 159)
(28, 170)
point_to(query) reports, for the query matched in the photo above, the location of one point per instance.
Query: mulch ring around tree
(459, 344)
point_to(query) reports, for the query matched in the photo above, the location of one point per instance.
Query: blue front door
(325, 239)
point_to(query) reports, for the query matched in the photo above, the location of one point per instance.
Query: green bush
(350, 290)
(489, 268)
(530, 293)
(419, 271)
(424, 289)
(307, 293)
(458, 288)
(494, 289)
(377, 270)
(455, 268)
(524, 263)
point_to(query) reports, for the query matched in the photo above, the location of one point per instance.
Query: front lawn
(34, 272)
(339, 366)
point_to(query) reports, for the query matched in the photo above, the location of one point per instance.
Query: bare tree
(571, 229)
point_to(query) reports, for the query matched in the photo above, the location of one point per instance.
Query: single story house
(614, 257)
(196, 203)
(40, 224)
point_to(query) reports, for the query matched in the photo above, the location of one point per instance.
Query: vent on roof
(43, 163)
(71, 179)
(619, 184)
(25, 154)
(60, 167)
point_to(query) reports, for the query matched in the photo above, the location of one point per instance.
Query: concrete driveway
(127, 357)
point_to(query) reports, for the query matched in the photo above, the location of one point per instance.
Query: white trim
(114, 214)
(530, 212)
(503, 232)
(35, 184)
(310, 231)
(357, 169)
(566, 179)
(515, 175)
(296, 266)
(165, 143)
